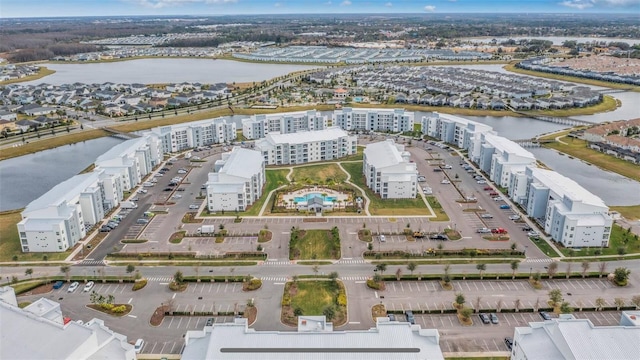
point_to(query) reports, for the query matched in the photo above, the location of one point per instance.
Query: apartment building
(258, 126)
(237, 181)
(389, 171)
(185, 136)
(569, 213)
(359, 119)
(131, 160)
(456, 131)
(570, 338)
(40, 331)
(306, 146)
(500, 156)
(314, 338)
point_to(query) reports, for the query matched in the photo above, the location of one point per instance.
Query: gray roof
(383, 154)
(243, 163)
(64, 191)
(122, 149)
(301, 137)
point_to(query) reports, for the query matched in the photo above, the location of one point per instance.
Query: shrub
(119, 309)
(252, 284)
(286, 299)
(373, 284)
(106, 306)
(139, 284)
(342, 300)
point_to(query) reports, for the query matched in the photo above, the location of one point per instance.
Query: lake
(154, 71)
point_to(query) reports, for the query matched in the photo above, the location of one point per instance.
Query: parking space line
(172, 346)
(163, 345)
(171, 322)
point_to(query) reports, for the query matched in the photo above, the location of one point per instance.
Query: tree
(178, 278)
(65, 269)
(565, 308)
(602, 267)
(130, 268)
(315, 269)
(568, 274)
(635, 300)
(333, 276)
(585, 267)
(460, 300)
(466, 313)
(619, 302)
(600, 303)
(621, 276)
(552, 269)
(515, 264)
(481, 268)
(398, 274)
(382, 267)
(29, 272)
(329, 312)
(411, 266)
(555, 297)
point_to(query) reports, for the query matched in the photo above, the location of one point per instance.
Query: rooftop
(301, 137)
(122, 149)
(383, 154)
(507, 146)
(62, 192)
(564, 186)
(242, 163)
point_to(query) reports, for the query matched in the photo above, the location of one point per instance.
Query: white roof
(63, 192)
(564, 186)
(242, 163)
(236, 341)
(301, 137)
(122, 149)
(580, 339)
(507, 146)
(383, 154)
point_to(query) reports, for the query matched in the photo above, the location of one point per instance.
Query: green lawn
(579, 149)
(628, 212)
(274, 178)
(357, 156)
(380, 206)
(319, 174)
(10, 241)
(545, 248)
(617, 240)
(314, 244)
(313, 297)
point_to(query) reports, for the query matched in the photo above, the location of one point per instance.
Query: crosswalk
(274, 278)
(160, 278)
(353, 278)
(351, 261)
(280, 262)
(92, 263)
(535, 260)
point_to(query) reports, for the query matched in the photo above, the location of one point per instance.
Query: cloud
(345, 3)
(429, 8)
(578, 4)
(277, 4)
(328, 3)
(158, 4)
(585, 4)
(388, 4)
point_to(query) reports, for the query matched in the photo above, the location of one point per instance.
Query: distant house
(36, 111)
(340, 94)
(7, 115)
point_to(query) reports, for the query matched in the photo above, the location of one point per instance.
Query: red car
(499, 231)
(493, 193)
(487, 188)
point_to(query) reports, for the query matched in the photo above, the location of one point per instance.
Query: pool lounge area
(316, 199)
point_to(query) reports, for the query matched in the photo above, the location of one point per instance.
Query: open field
(511, 67)
(10, 241)
(274, 178)
(313, 245)
(578, 148)
(608, 104)
(620, 238)
(319, 174)
(312, 297)
(42, 73)
(379, 206)
(51, 142)
(628, 212)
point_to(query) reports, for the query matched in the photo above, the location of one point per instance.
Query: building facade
(389, 171)
(190, 135)
(258, 126)
(500, 156)
(237, 181)
(456, 131)
(306, 146)
(384, 120)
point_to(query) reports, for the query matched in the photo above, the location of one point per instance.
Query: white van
(382, 238)
(138, 346)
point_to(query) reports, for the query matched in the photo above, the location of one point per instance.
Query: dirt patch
(365, 235)
(158, 315)
(378, 311)
(315, 220)
(251, 313)
(127, 310)
(42, 289)
(190, 218)
(497, 238)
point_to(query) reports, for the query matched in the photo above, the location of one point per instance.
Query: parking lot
(179, 325)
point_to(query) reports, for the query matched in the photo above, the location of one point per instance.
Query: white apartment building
(571, 338)
(197, 133)
(306, 146)
(500, 156)
(314, 339)
(570, 214)
(389, 172)
(131, 160)
(39, 331)
(258, 126)
(358, 119)
(237, 181)
(456, 131)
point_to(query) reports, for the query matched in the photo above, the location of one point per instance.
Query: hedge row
(485, 276)
(202, 313)
(522, 310)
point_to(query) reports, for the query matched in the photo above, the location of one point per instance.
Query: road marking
(360, 282)
(164, 284)
(278, 283)
(174, 295)
(354, 322)
(347, 258)
(376, 293)
(133, 316)
(130, 300)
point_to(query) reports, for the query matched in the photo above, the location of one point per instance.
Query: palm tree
(481, 268)
(382, 267)
(585, 268)
(65, 269)
(600, 303)
(514, 267)
(411, 266)
(29, 272)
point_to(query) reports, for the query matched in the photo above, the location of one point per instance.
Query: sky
(57, 8)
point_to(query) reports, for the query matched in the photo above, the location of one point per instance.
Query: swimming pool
(307, 197)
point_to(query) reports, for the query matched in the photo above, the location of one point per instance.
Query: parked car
(194, 206)
(182, 171)
(505, 206)
(509, 342)
(494, 318)
(526, 228)
(488, 188)
(142, 221)
(514, 217)
(445, 181)
(105, 228)
(74, 285)
(481, 181)
(484, 318)
(167, 189)
(499, 231)
(533, 234)
(138, 346)
(484, 231)
(58, 284)
(493, 193)
(391, 317)
(180, 189)
(486, 216)
(209, 322)
(382, 238)
(88, 286)
(438, 237)
(545, 315)
(410, 318)
(177, 196)
(142, 191)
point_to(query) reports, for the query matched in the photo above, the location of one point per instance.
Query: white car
(143, 191)
(88, 286)
(177, 196)
(445, 181)
(74, 285)
(138, 346)
(382, 238)
(534, 234)
(182, 171)
(514, 217)
(192, 207)
(158, 175)
(481, 181)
